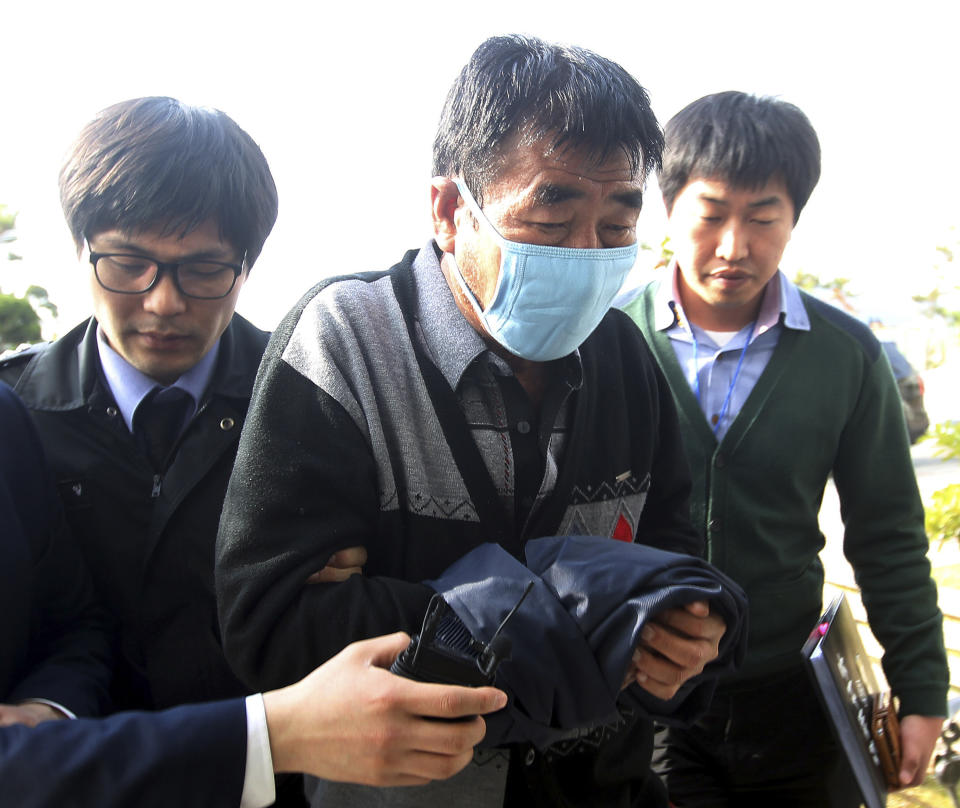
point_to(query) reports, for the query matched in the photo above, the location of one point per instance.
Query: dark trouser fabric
(763, 743)
(290, 792)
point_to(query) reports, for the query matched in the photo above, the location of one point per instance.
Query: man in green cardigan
(776, 391)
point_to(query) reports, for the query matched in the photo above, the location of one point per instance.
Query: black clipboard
(845, 681)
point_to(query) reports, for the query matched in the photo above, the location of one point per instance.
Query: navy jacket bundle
(574, 633)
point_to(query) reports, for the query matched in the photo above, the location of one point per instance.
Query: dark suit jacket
(187, 756)
(53, 645)
(53, 640)
(148, 538)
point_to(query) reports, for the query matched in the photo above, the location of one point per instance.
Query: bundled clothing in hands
(380, 418)
(583, 603)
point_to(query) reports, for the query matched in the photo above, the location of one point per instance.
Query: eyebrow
(552, 194)
(767, 201)
(122, 245)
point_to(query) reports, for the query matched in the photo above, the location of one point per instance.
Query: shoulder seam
(845, 323)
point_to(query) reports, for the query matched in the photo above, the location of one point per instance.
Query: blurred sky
(344, 99)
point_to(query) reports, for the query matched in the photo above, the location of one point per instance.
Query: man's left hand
(340, 566)
(918, 736)
(677, 645)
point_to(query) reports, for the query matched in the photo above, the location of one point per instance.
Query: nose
(164, 299)
(586, 237)
(732, 245)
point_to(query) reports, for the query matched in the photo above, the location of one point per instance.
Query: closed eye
(129, 263)
(203, 270)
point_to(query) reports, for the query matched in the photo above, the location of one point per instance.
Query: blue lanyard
(733, 381)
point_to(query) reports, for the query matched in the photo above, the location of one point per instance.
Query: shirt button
(523, 427)
(227, 424)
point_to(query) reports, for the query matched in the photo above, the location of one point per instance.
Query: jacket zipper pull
(157, 479)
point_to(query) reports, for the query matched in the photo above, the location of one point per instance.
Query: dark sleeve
(654, 429)
(666, 519)
(67, 657)
(304, 486)
(189, 756)
(885, 542)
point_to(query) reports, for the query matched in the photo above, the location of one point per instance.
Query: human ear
(444, 200)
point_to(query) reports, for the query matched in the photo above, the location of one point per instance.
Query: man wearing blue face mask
(548, 299)
(478, 391)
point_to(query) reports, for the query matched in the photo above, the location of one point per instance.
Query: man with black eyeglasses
(140, 407)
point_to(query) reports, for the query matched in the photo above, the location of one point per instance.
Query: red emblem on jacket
(622, 531)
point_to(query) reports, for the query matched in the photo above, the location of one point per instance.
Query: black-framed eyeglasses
(128, 274)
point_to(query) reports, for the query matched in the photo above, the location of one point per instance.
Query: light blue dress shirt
(715, 365)
(130, 386)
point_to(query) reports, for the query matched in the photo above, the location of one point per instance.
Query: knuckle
(449, 765)
(667, 691)
(694, 657)
(456, 744)
(382, 740)
(382, 699)
(451, 703)
(463, 738)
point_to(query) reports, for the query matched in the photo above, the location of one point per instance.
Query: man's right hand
(676, 645)
(353, 721)
(29, 713)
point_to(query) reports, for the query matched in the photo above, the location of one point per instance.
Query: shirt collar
(452, 342)
(781, 303)
(130, 386)
(795, 313)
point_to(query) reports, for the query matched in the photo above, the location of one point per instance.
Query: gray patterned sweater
(364, 388)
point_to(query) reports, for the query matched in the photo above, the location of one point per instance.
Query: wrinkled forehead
(528, 164)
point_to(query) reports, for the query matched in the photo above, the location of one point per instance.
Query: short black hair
(744, 140)
(158, 163)
(525, 87)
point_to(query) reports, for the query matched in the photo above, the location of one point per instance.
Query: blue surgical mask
(548, 300)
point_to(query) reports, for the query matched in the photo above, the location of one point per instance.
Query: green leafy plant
(943, 512)
(19, 317)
